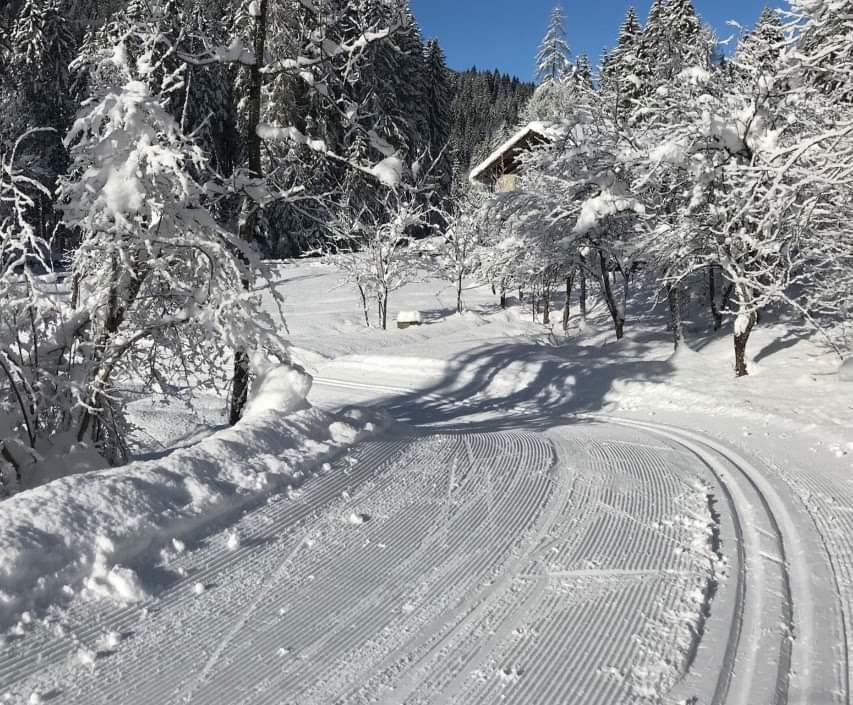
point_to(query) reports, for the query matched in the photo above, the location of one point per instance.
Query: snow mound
(410, 317)
(279, 388)
(80, 534)
(845, 372)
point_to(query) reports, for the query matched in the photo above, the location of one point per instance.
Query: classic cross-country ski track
(602, 560)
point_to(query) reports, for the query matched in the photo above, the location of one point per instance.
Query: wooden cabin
(500, 171)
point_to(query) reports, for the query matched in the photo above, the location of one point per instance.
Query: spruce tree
(438, 95)
(552, 61)
(622, 68)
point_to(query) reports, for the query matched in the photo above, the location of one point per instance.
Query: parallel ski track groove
(695, 446)
(289, 513)
(44, 651)
(838, 536)
(342, 646)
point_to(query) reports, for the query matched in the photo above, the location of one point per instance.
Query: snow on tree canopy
(389, 171)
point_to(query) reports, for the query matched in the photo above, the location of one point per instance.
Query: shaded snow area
(477, 509)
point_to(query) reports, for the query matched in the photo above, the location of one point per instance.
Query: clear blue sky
(505, 34)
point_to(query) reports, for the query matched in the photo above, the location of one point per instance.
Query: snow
(696, 75)
(845, 372)
(84, 529)
(277, 388)
(233, 541)
(272, 133)
(596, 210)
(389, 171)
(547, 502)
(410, 317)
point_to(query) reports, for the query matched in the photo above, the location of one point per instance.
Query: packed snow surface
(554, 519)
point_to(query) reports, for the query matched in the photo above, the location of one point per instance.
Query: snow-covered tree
(31, 394)
(375, 246)
(459, 251)
(622, 72)
(824, 47)
(552, 61)
(160, 284)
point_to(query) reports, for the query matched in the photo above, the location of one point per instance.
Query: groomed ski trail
(430, 568)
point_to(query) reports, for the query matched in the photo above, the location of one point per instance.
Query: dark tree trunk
(673, 297)
(546, 303)
(609, 298)
(363, 294)
(383, 310)
(459, 294)
(240, 386)
(582, 293)
(567, 309)
(742, 332)
(716, 314)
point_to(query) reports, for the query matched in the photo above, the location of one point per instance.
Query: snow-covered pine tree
(652, 46)
(552, 61)
(582, 74)
(622, 70)
(689, 44)
(438, 96)
(760, 50)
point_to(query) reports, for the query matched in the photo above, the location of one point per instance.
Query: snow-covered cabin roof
(504, 159)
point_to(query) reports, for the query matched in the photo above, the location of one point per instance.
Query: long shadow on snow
(473, 398)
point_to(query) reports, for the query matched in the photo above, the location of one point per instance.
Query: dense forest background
(410, 103)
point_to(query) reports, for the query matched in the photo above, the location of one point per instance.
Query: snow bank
(78, 535)
(845, 372)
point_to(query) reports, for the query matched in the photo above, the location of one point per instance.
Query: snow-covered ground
(551, 519)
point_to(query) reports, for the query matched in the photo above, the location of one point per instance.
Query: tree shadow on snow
(523, 385)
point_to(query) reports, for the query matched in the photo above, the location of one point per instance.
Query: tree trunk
(383, 310)
(716, 314)
(102, 367)
(503, 299)
(248, 216)
(546, 303)
(567, 309)
(582, 296)
(459, 294)
(743, 327)
(673, 297)
(609, 298)
(363, 294)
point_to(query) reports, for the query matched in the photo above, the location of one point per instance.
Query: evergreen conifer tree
(552, 61)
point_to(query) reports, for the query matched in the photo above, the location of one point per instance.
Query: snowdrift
(77, 535)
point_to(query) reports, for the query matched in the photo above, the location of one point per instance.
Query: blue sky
(505, 34)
